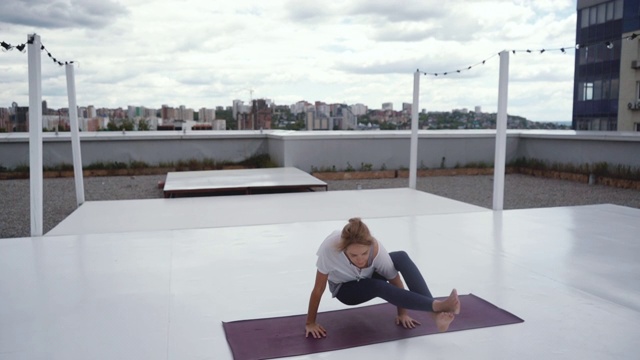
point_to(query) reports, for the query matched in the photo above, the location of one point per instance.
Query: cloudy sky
(203, 53)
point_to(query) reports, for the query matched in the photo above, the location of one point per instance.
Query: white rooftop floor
(571, 273)
(220, 211)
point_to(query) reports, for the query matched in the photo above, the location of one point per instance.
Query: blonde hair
(355, 232)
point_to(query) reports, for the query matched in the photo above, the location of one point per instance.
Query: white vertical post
(413, 158)
(501, 133)
(75, 134)
(35, 133)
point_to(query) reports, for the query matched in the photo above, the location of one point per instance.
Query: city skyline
(153, 53)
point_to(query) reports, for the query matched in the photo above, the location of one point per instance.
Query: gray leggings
(418, 297)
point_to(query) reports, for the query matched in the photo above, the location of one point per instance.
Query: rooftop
(159, 281)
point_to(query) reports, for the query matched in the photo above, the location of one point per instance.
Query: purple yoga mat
(284, 336)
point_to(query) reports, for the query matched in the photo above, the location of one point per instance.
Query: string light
(459, 70)
(609, 44)
(21, 47)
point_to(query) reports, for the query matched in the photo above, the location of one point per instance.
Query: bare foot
(450, 304)
(456, 308)
(443, 320)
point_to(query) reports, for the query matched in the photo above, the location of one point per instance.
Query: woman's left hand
(406, 321)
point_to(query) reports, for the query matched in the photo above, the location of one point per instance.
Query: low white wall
(390, 149)
(151, 147)
(305, 150)
(581, 147)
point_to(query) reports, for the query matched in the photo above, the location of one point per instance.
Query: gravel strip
(521, 192)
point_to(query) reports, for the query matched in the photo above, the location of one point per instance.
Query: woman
(358, 269)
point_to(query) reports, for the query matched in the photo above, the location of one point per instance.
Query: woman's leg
(357, 292)
(417, 298)
(415, 282)
(410, 272)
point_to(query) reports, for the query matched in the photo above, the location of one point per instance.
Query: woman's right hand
(316, 330)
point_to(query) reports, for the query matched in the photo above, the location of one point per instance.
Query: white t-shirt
(336, 264)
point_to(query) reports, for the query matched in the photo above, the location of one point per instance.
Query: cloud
(409, 32)
(393, 11)
(305, 10)
(60, 13)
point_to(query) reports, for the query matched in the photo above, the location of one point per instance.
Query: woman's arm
(397, 282)
(402, 318)
(311, 327)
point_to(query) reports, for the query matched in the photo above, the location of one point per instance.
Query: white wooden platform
(241, 181)
(156, 292)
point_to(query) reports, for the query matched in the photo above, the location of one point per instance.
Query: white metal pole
(35, 133)
(413, 158)
(501, 133)
(75, 134)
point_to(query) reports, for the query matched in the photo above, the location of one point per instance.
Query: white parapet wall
(326, 150)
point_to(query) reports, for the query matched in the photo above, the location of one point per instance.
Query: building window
(615, 88)
(606, 89)
(597, 90)
(637, 126)
(584, 16)
(583, 55)
(610, 10)
(618, 10)
(602, 13)
(587, 91)
(593, 15)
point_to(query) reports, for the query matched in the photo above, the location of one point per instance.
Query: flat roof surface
(571, 273)
(221, 211)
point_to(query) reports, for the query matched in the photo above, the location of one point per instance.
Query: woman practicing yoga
(358, 269)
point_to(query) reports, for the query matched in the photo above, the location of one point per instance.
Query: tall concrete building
(206, 115)
(606, 93)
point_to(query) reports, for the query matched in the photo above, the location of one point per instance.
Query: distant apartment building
(134, 112)
(206, 115)
(323, 109)
(478, 109)
(406, 108)
(606, 93)
(387, 106)
(92, 124)
(359, 109)
(261, 114)
(219, 124)
(301, 107)
(184, 114)
(245, 121)
(168, 114)
(20, 119)
(236, 108)
(343, 118)
(5, 115)
(91, 112)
